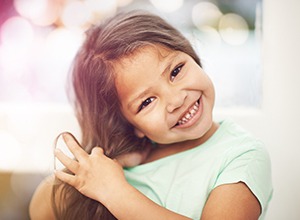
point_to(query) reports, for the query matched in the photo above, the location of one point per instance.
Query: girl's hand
(102, 179)
(94, 175)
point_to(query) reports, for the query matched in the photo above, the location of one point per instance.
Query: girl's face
(165, 95)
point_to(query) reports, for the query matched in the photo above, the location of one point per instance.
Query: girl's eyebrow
(170, 60)
(167, 69)
(140, 96)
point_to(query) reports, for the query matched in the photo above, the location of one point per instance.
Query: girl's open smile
(190, 116)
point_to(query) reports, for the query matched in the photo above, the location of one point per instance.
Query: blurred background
(250, 49)
(39, 39)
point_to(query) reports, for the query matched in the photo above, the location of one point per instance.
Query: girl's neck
(164, 150)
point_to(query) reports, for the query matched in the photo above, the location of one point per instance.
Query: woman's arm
(40, 205)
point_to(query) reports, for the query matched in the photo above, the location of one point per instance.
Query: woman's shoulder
(40, 205)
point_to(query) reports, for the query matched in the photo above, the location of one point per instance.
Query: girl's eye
(176, 71)
(146, 103)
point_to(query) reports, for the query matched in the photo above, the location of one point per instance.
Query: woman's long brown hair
(96, 100)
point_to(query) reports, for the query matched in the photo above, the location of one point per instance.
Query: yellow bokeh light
(167, 5)
(206, 14)
(233, 29)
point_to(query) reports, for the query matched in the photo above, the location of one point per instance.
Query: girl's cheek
(151, 122)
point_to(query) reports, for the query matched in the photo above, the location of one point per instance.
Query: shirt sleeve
(252, 166)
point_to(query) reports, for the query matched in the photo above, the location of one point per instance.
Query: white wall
(282, 103)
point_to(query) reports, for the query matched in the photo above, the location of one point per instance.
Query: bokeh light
(233, 29)
(99, 9)
(123, 3)
(167, 5)
(79, 9)
(24, 34)
(206, 14)
(39, 12)
(58, 51)
(211, 36)
(17, 37)
(61, 45)
(15, 46)
(102, 6)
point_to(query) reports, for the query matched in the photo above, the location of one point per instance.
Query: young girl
(143, 100)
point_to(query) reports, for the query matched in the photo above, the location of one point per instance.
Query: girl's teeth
(192, 111)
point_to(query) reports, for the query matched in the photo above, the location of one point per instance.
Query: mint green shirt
(182, 182)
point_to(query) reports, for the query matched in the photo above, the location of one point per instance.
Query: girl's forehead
(153, 50)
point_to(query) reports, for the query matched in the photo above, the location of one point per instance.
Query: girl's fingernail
(64, 135)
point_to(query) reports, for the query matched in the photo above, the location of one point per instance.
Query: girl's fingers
(98, 151)
(69, 163)
(65, 177)
(74, 146)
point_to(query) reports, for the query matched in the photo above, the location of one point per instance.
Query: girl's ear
(139, 133)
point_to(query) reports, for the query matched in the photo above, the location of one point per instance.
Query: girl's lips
(191, 115)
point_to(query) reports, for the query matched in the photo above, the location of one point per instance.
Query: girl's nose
(175, 101)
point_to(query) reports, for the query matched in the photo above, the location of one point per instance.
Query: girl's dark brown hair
(96, 100)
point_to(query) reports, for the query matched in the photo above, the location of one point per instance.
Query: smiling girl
(144, 102)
